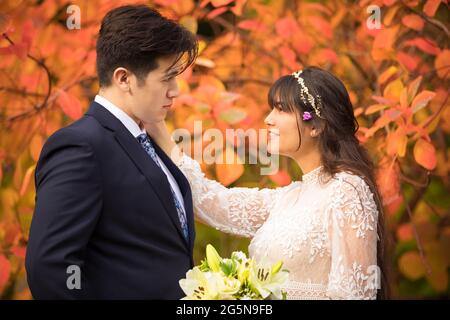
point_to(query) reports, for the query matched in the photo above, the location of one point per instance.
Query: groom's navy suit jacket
(103, 205)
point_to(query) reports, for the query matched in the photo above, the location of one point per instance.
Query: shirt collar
(123, 117)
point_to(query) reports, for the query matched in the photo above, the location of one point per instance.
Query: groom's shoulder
(85, 130)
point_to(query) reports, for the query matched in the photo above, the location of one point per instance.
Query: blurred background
(393, 56)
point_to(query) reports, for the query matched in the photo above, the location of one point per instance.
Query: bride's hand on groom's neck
(161, 135)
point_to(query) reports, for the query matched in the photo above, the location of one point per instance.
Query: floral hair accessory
(307, 97)
(307, 116)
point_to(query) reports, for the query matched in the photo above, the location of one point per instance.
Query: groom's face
(152, 96)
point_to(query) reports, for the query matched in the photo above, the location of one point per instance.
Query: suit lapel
(155, 176)
(185, 189)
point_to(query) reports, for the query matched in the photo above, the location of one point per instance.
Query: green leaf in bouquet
(229, 267)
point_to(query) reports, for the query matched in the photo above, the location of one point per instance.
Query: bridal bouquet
(236, 278)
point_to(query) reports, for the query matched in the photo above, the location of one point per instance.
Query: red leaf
(431, 7)
(427, 46)
(216, 12)
(405, 232)
(219, 3)
(425, 154)
(252, 24)
(69, 104)
(409, 61)
(5, 269)
(286, 27)
(288, 56)
(413, 21)
(19, 251)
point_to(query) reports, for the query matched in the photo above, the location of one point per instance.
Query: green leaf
(233, 115)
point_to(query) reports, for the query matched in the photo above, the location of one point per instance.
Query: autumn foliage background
(397, 76)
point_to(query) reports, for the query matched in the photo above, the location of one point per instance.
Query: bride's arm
(353, 236)
(239, 211)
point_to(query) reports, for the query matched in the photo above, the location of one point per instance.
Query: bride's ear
(315, 132)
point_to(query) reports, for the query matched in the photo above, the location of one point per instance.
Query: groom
(113, 216)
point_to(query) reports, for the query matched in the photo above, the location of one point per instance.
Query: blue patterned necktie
(144, 140)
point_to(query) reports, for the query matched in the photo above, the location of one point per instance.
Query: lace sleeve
(353, 235)
(238, 211)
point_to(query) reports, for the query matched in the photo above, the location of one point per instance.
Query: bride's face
(285, 137)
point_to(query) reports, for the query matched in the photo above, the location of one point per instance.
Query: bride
(326, 228)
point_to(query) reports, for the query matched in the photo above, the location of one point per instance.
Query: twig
(416, 236)
(49, 89)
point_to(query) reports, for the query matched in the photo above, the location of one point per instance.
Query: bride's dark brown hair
(339, 147)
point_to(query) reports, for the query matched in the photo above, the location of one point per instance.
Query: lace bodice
(323, 229)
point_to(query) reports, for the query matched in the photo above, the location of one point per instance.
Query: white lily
(268, 280)
(200, 285)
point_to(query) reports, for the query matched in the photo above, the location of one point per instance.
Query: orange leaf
(36, 147)
(388, 182)
(326, 55)
(396, 143)
(321, 25)
(413, 87)
(26, 180)
(431, 7)
(387, 74)
(5, 269)
(374, 108)
(410, 264)
(281, 178)
(413, 21)
(302, 42)
(5, 24)
(425, 154)
(231, 167)
(69, 104)
(442, 64)
(421, 100)
(229, 173)
(404, 99)
(385, 38)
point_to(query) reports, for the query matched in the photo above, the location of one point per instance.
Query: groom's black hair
(134, 36)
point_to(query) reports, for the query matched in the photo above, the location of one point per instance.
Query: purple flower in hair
(307, 116)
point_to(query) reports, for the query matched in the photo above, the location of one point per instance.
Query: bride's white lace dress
(325, 232)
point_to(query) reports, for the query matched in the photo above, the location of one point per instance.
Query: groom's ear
(121, 78)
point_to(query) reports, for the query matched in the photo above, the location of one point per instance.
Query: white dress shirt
(135, 130)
